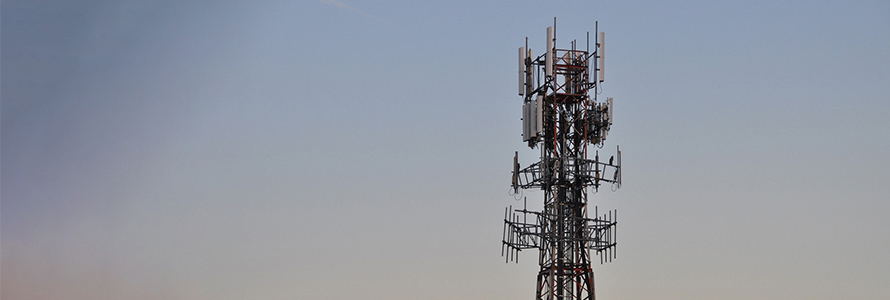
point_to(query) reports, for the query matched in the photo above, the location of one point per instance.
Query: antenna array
(560, 117)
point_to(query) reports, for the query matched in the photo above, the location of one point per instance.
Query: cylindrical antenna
(504, 232)
(609, 232)
(516, 256)
(618, 148)
(515, 172)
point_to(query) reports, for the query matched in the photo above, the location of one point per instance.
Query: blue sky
(340, 149)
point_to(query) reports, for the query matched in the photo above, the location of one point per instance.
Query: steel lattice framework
(561, 117)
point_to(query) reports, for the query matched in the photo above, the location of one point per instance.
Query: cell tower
(560, 117)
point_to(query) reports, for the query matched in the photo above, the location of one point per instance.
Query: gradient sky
(345, 149)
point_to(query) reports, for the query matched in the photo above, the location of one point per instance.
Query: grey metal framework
(570, 121)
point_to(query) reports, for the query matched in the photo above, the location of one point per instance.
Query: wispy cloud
(350, 7)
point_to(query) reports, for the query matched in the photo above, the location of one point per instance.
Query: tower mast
(561, 117)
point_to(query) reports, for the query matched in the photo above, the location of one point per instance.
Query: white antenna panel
(522, 54)
(539, 115)
(602, 55)
(532, 121)
(525, 123)
(548, 61)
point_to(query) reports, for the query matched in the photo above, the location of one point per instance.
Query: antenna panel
(548, 61)
(525, 122)
(539, 115)
(602, 55)
(611, 109)
(532, 134)
(522, 56)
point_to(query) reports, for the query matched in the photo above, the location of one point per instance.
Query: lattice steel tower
(562, 119)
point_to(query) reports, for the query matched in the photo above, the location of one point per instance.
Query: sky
(345, 149)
